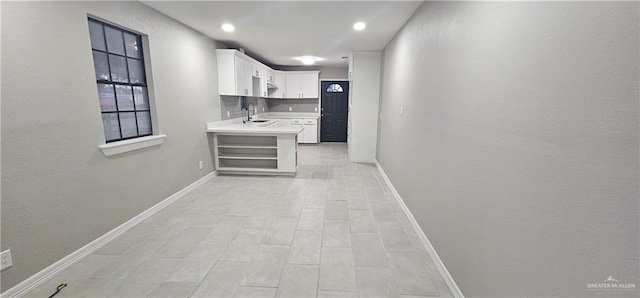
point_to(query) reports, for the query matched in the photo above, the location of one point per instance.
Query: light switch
(228, 114)
(315, 109)
(401, 111)
(290, 109)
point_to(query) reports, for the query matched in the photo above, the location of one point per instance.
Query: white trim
(363, 160)
(423, 238)
(45, 274)
(119, 147)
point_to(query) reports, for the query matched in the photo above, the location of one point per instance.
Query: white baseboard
(45, 274)
(423, 238)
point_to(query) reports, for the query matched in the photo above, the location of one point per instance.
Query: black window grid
(128, 83)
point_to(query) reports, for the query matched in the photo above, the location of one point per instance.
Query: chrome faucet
(249, 110)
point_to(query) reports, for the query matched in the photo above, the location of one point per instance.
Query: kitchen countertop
(252, 128)
(288, 115)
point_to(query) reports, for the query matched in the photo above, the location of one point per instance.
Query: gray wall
(334, 73)
(306, 105)
(58, 190)
(326, 72)
(518, 149)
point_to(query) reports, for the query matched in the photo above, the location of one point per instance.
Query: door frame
(320, 106)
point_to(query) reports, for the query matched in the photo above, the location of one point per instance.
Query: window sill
(120, 147)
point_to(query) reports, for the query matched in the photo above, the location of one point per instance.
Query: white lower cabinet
(309, 135)
(311, 131)
(298, 123)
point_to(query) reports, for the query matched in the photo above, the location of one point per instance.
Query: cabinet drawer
(310, 121)
(297, 121)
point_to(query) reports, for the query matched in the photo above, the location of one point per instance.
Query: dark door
(335, 109)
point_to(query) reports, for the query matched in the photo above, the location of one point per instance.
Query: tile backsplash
(297, 105)
(234, 105)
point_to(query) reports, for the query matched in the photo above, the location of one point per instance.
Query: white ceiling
(278, 31)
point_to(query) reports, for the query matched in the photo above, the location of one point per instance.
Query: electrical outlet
(228, 114)
(290, 109)
(263, 109)
(5, 259)
(201, 164)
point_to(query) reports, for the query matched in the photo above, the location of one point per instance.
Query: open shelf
(245, 164)
(255, 146)
(233, 141)
(258, 153)
(247, 156)
(247, 153)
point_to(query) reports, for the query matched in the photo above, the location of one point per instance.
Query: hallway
(333, 230)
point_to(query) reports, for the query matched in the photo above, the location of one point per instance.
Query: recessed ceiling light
(359, 26)
(228, 27)
(308, 60)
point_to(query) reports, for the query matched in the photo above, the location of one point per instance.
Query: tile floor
(333, 230)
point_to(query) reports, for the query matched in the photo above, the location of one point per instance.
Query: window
(334, 88)
(122, 85)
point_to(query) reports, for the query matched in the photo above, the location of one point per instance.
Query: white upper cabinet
(264, 88)
(240, 75)
(302, 84)
(242, 85)
(234, 74)
(280, 81)
(309, 87)
(256, 70)
(269, 75)
(252, 88)
(293, 85)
